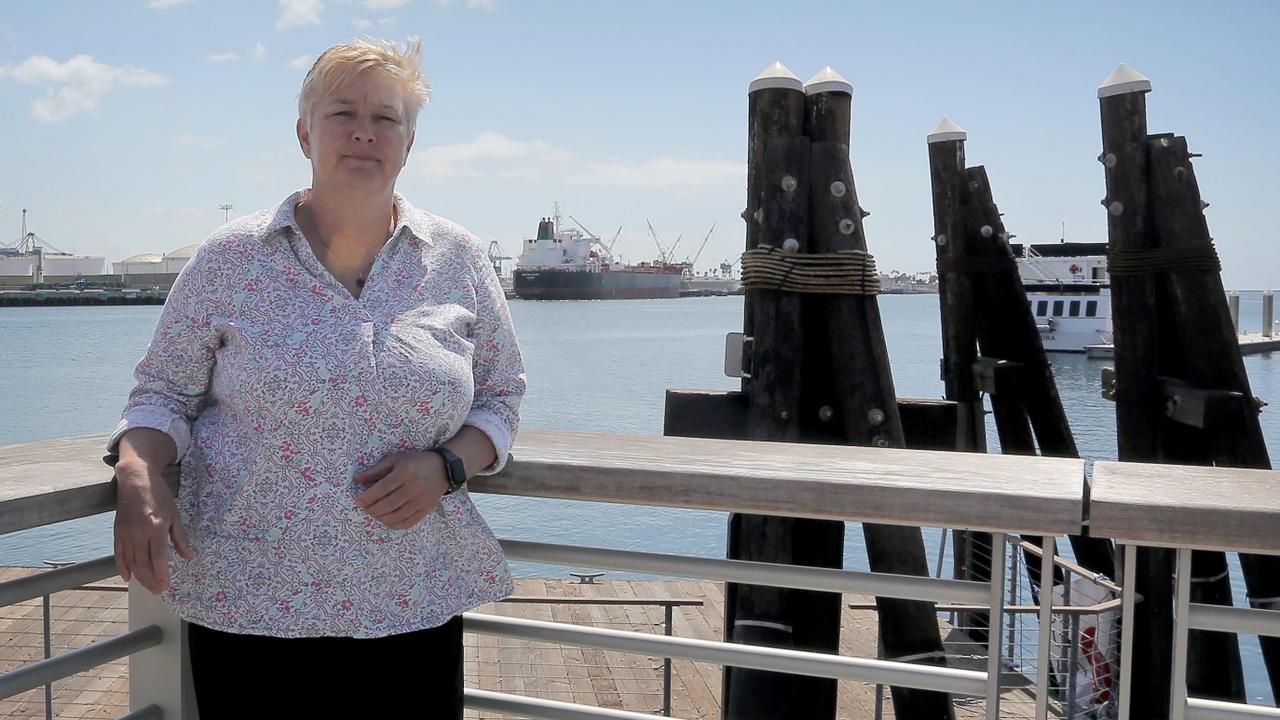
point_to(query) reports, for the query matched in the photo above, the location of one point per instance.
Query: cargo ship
(570, 264)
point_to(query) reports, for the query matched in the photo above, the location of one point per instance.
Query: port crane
(608, 249)
(496, 256)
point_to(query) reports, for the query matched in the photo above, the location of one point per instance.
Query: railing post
(666, 669)
(1130, 563)
(1046, 627)
(995, 665)
(48, 653)
(1181, 631)
(160, 675)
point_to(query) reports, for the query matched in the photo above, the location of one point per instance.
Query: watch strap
(455, 470)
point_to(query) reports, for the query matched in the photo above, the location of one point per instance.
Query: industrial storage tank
(140, 264)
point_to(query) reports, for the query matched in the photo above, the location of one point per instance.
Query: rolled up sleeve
(497, 367)
(172, 379)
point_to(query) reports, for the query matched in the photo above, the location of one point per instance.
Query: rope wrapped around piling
(848, 272)
(1129, 263)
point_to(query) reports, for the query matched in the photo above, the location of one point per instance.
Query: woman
(328, 373)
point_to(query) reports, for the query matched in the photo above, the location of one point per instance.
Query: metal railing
(569, 466)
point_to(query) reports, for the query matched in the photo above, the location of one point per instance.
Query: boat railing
(1033, 497)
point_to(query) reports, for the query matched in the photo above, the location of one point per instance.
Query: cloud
(302, 62)
(75, 86)
(383, 4)
(662, 172)
(259, 52)
(489, 153)
(363, 23)
(294, 13)
(485, 5)
(166, 4)
(201, 141)
(223, 57)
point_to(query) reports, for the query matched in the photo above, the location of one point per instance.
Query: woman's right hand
(146, 521)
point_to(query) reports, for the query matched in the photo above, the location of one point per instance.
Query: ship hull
(612, 285)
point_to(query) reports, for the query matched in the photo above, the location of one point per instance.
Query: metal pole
(1073, 654)
(1181, 608)
(1233, 303)
(666, 670)
(1046, 629)
(1130, 561)
(993, 638)
(48, 653)
(1268, 313)
(942, 551)
(1014, 597)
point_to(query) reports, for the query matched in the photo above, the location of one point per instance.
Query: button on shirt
(277, 386)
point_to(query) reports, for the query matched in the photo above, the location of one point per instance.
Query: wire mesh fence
(1084, 632)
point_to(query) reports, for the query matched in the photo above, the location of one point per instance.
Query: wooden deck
(566, 673)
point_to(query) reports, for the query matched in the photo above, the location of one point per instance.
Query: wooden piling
(1211, 360)
(860, 393)
(1007, 332)
(972, 552)
(775, 108)
(1139, 401)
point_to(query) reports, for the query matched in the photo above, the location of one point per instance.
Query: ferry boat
(568, 264)
(1069, 292)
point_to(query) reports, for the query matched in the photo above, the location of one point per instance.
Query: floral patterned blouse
(278, 386)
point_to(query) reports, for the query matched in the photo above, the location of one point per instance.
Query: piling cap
(1124, 80)
(827, 80)
(776, 75)
(946, 129)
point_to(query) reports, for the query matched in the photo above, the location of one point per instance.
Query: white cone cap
(946, 129)
(776, 75)
(1124, 80)
(827, 80)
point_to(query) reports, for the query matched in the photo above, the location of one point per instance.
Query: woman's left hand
(406, 487)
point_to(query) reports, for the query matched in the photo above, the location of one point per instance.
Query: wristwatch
(455, 471)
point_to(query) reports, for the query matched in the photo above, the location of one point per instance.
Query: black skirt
(411, 675)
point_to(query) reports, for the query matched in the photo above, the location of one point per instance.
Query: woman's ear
(304, 138)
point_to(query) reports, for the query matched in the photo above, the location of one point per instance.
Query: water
(599, 366)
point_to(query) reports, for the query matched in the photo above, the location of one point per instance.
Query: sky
(126, 123)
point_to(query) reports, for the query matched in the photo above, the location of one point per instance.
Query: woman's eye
(344, 113)
(388, 118)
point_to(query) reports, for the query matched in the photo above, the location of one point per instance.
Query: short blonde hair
(340, 63)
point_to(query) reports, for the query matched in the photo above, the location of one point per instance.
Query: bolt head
(784, 415)
(825, 413)
(838, 189)
(1180, 173)
(987, 231)
(846, 227)
(1116, 208)
(941, 240)
(875, 416)
(759, 214)
(1110, 160)
(789, 183)
(790, 245)
(880, 441)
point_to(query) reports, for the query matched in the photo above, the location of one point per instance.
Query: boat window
(1042, 308)
(1091, 308)
(1075, 308)
(1057, 308)
(1099, 273)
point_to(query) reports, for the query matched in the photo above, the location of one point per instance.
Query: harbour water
(599, 366)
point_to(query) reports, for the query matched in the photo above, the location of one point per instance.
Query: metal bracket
(737, 358)
(1198, 407)
(1185, 404)
(994, 376)
(1109, 384)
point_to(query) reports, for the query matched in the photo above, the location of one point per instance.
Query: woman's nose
(363, 131)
